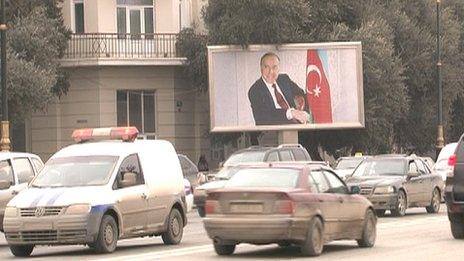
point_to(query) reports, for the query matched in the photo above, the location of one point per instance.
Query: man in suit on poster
(275, 98)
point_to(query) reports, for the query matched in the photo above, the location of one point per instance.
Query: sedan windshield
(275, 177)
(251, 156)
(379, 167)
(76, 171)
(348, 163)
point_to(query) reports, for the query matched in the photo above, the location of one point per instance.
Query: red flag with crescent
(318, 89)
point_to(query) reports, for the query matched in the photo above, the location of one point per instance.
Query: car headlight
(11, 212)
(78, 209)
(384, 190)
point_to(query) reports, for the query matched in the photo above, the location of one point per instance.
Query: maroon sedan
(287, 204)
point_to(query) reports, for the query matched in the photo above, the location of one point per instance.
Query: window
(273, 156)
(320, 181)
(421, 167)
(6, 172)
(129, 164)
(136, 108)
(135, 17)
(286, 155)
(78, 16)
(336, 186)
(38, 165)
(23, 169)
(412, 167)
(264, 178)
(299, 155)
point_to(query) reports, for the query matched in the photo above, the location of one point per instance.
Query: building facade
(125, 71)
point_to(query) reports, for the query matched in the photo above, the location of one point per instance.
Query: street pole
(5, 125)
(440, 138)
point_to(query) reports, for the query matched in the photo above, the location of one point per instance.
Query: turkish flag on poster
(318, 89)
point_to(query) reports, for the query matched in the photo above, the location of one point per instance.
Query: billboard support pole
(288, 137)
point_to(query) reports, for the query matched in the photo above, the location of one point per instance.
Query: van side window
(129, 164)
(273, 156)
(23, 169)
(299, 155)
(6, 172)
(37, 164)
(286, 155)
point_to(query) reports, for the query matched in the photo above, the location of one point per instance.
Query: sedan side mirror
(355, 189)
(5, 184)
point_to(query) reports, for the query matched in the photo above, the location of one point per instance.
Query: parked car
(16, 170)
(96, 193)
(287, 204)
(398, 182)
(454, 191)
(189, 169)
(225, 174)
(345, 166)
(441, 166)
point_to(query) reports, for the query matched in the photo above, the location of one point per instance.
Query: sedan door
(351, 212)
(329, 204)
(414, 185)
(425, 194)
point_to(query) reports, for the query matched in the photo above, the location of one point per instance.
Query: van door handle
(144, 196)
(14, 192)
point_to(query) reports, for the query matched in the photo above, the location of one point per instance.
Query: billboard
(286, 87)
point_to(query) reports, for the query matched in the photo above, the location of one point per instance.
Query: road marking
(164, 253)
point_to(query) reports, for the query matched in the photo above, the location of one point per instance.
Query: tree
(36, 41)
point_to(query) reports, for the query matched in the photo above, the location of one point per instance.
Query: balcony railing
(115, 45)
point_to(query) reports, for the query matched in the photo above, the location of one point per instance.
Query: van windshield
(76, 171)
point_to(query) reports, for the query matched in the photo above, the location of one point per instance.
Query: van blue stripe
(54, 198)
(36, 201)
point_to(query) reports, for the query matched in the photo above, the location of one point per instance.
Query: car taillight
(284, 207)
(211, 206)
(452, 160)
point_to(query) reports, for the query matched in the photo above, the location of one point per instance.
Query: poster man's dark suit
(263, 106)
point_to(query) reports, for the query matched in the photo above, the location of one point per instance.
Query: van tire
(201, 211)
(21, 250)
(107, 236)
(175, 228)
(457, 229)
(224, 250)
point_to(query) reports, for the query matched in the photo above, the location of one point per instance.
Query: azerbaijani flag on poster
(318, 89)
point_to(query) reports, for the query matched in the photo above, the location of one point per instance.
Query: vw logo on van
(39, 212)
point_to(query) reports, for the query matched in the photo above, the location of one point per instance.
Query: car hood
(374, 181)
(63, 196)
(212, 185)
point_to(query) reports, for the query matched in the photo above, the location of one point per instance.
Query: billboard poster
(286, 87)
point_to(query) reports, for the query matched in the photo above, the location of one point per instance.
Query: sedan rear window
(252, 156)
(275, 178)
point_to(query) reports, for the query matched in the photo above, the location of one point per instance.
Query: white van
(97, 193)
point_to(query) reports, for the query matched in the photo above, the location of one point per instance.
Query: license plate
(246, 208)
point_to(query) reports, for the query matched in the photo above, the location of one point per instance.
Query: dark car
(398, 182)
(199, 196)
(287, 204)
(454, 191)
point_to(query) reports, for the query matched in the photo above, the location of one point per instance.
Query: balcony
(121, 49)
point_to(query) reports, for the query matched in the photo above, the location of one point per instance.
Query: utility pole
(440, 139)
(5, 125)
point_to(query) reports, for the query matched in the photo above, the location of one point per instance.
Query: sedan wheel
(435, 202)
(401, 205)
(369, 232)
(314, 243)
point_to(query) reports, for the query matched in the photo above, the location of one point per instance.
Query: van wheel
(314, 242)
(457, 229)
(435, 202)
(107, 236)
(401, 205)
(201, 211)
(369, 232)
(175, 229)
(224, 250)
(21, 250)
(380, 212)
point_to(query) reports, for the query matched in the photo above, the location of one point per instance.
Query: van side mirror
(129, 179)
(5, 184)
(355, 189)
